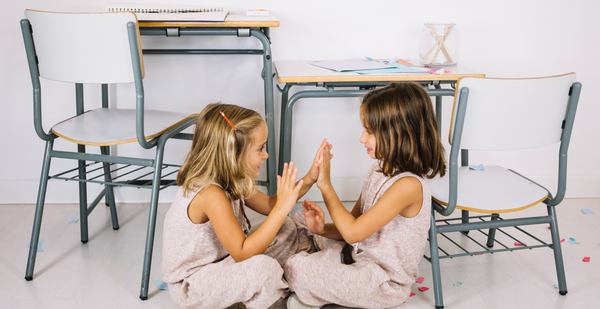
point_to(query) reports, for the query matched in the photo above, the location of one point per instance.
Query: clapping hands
(321, 166)
(287, 187)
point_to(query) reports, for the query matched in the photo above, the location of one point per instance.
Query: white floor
(105, 273)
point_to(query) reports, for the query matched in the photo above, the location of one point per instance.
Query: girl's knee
(265, 268)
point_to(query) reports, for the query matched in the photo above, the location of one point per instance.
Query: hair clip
(228, 121)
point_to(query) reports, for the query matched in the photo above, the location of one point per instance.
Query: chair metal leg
(39, 209)
(83, 213)
(435, 263)
(558, 259)
(110, 195)
(465, 219)
(492, 232)
(152, 220)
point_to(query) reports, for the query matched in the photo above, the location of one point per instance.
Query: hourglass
(438, 44)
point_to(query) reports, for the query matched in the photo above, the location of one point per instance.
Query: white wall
(504, 38)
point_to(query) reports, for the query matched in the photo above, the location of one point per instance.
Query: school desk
(333, 84)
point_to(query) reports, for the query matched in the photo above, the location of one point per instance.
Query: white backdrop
(499, 38)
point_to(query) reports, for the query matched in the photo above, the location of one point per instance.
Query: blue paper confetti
(73, 219)
(587, 211)
(40, 247)
(573, 241)
(161, 285)
(478, 167)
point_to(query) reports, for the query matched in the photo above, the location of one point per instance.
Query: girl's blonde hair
(219, 147)
(407, 140)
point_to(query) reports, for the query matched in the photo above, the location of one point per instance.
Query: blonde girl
(210, 257)
(381, 241)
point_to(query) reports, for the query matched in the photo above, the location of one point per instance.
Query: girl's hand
(287, 188)
(313, 216)
(324, 179)
(313, 172)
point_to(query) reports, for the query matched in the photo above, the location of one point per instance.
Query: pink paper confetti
(412, 294)
(519, 244)
(586, 259)
(562, 240)
(423, 288)
(420, 280)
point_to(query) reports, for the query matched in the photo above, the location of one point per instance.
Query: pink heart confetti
(423, 288)
(412, 294)
(420, 280)
(519, 244)
(586, 259)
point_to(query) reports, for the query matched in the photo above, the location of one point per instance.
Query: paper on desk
(350, 65)
(398, 68)
(370, 66)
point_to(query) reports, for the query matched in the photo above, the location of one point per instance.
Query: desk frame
(233, 29)
(332, 90)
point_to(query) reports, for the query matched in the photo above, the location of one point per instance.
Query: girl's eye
(262, 147)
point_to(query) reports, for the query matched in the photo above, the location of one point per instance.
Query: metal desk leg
(287, 105)
(438, 108)
(267, 75)
(282, 126)
(464, 161)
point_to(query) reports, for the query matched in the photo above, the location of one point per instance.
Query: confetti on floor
(479, 167)
(412, 294)
(519, 244)
(573, 241)
(586, 259)
(40, 247)
(587, 211)
(562, 240)
(423, 288)
(73, 219)
(420, 280)
(457, 284)
(161, 285)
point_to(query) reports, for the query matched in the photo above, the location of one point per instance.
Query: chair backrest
(512, 114)
(83, 47)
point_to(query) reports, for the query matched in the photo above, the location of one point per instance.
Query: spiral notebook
(156, 12)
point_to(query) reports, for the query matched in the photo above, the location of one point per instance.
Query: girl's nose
(363, 138)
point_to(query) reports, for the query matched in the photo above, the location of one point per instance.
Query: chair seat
(492, 190)
(106, 127)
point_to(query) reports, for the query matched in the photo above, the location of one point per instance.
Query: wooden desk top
(304, 72)
(231, 21)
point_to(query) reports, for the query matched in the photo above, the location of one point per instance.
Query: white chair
(502, 114)
(98, 48)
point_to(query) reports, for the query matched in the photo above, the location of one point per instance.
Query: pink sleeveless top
(399, 246)
(187, 246)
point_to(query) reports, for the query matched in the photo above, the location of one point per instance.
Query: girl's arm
(215, 204)
(404, 194)
(262, 203)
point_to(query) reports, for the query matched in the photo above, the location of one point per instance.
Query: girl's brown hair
(219, 147)
(401, 118)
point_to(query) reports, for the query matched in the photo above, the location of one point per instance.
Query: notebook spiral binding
(159, 9)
